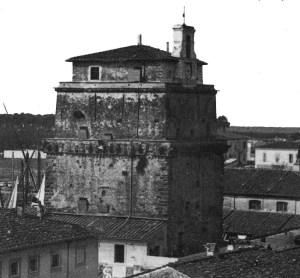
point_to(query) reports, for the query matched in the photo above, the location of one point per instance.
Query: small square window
(281, 206)
(55, 260)
(33, 264)
(255, 204)
(94, 73)
(14, 268)
(119, 253)
(80, 255)
(264, 157)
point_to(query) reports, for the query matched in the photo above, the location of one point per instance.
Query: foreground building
(135, 136)
(272, 230)
(125, 245)
(243, 263)
(35, 247)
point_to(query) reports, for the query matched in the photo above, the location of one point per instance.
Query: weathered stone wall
(195, 202)
(114, 182)
(146, 115)
(127, 72)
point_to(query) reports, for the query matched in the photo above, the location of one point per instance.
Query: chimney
(83, 204)
(140, 39)
(210, 249)
(20, 211)
(168, 47)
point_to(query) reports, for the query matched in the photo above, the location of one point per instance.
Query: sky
(252, 48)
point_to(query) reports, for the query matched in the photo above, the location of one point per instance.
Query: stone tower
(135, 135)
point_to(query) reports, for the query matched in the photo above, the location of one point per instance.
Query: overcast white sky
(252, 48)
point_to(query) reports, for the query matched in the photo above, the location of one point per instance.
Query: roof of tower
(128, 53)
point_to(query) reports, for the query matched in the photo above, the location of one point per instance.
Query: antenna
(183, 15)
(26, 172)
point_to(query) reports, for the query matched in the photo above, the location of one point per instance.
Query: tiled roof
(113, 227)
(245, 263)
(250, 263)
(27, 231)
(280, 145)
(261, 182)
(258, 224)
(128, 53)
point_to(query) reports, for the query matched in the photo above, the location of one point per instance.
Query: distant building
(250, 263)
(126, 245)
(19, 154)
(237, 148)
(278, 155)
(262, 190)
(34, 247)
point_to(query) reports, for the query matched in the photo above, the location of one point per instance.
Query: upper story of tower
(142, 63)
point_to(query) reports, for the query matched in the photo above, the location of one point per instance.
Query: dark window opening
(119, 253)
(80, 255)
(94, 73)
(78, 115)
(188, 46)
(14, 268)
(281, 206)
(291, 158)
(187, 206)
(83, 132)
(55, 260)
(255, 204)
(33, 264)
(154, 251)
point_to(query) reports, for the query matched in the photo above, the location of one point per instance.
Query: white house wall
(135, 259)
(271, 158)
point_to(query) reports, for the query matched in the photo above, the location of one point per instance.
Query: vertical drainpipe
(68, 259)
(131, 179)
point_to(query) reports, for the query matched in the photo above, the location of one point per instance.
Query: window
(277, 157)
(255, 204)
(188, 46)
(94, 73)
(14, 268)
(281, 206)
(119, 253)
(291, 158)
(80, 255)
(264, 157)
(83, 132)
(33, 264)
(55, 260)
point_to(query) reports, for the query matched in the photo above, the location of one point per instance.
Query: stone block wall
(195, 202)
(136, 114)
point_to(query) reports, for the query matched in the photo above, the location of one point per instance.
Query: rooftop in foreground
(243, 263)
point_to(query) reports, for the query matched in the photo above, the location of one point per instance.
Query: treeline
(24, 129)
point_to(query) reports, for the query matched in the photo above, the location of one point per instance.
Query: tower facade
(135, 135)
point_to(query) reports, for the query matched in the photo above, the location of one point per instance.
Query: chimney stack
(168, 47)
(140, 39)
